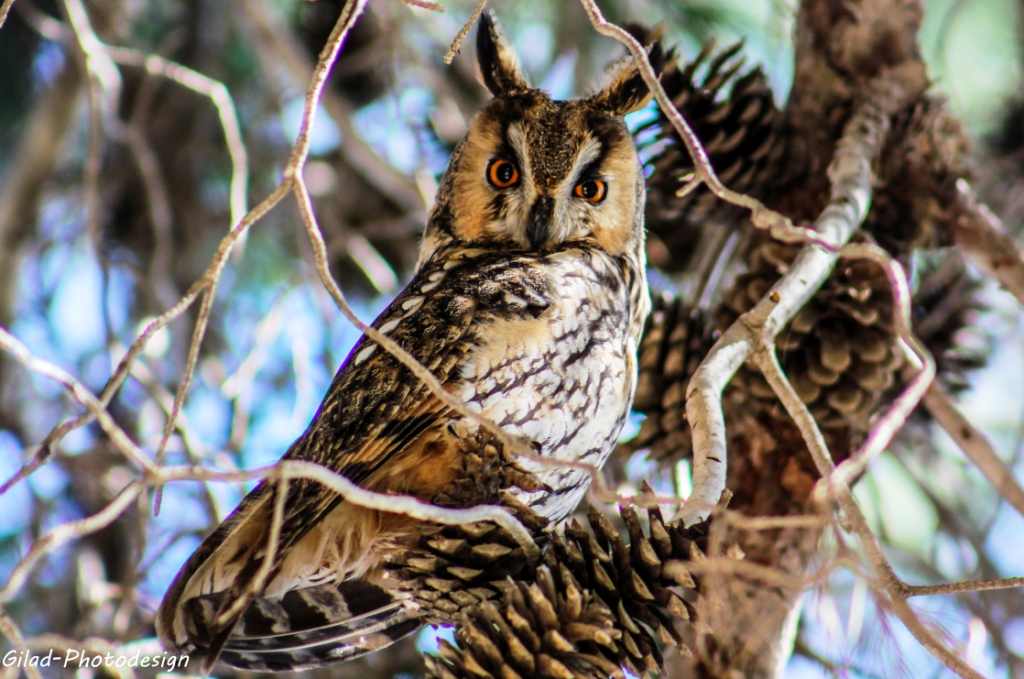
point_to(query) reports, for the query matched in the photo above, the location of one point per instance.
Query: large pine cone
(595, 605)
(839, 351)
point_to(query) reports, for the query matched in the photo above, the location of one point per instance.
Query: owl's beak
(538, 225)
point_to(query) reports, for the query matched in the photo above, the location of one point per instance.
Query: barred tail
(305, 628)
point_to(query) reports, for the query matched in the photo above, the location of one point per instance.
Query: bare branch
(457, 43)
(285, 470)
(975, 445)
(85, 397)
(981, 236)
(850, 173)
(5, 9)
(894, 587)
(202, 319)
(231, 608)
(11, 630)
(357, 495)
(409, 505)
(959, 587)
(424, 4)
(104, 94)
(279, 49)
(195, 449)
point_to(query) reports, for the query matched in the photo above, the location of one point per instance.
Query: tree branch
(981, 236)
(5, 9)
(975, 445)
(894, 587)
(850, 174)
(959, 587)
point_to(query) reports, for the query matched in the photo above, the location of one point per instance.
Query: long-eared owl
(527, 305)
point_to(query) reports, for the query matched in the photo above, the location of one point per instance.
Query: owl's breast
(564, 379)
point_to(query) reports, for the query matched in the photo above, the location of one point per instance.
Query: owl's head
(534, 173)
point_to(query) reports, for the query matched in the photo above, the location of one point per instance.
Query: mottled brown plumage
(527, 305)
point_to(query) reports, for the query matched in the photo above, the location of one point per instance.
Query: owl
(527, 305)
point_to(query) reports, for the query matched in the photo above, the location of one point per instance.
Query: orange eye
(502, 173)
(593, 190)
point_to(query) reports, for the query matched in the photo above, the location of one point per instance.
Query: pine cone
(674, 343)
(449, 568)
(739, 135)
(839, 351)
(595, 605)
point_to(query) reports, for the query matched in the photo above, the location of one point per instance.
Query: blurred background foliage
(80, 278)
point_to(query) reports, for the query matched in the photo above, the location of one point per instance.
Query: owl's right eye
(502, 174)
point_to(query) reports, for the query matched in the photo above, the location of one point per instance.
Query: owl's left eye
(593, 190)
(502, 174)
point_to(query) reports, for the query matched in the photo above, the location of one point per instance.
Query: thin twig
(744, 522)
(154, 64)
(359, 496)
(102, 56)
(232, 608)
(10, 629)
(424, 4)
(278, 48)
(779, 225)
(113, 384)
(285, 470)
(117, 435)
(463, 32)
(104, 95)
(975, 445)
(195, 449)
(959, 587)
(202, 319)
(211, 275)
(410, 506)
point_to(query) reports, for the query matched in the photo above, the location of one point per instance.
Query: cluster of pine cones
(840, 352)
(590, 605)
(597, 602)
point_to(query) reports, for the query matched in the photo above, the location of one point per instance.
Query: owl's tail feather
(305, 628)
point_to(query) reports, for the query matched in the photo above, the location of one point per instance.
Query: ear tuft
(627, 92)
(498, 63)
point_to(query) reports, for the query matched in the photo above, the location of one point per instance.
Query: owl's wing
(371, 426)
